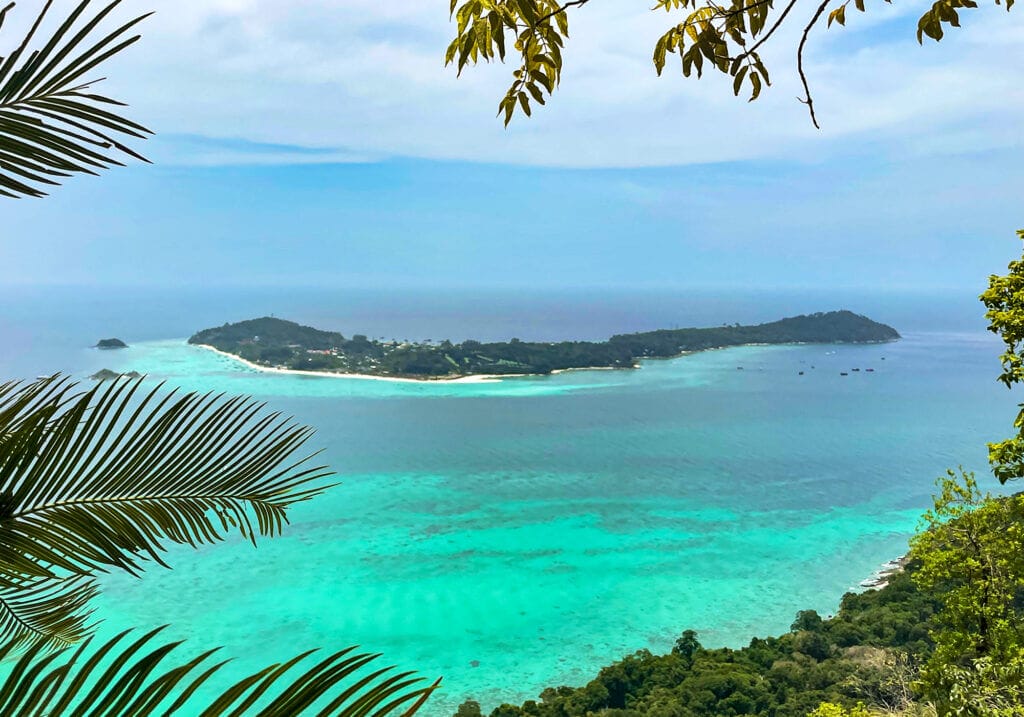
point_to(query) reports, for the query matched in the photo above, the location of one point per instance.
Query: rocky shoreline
(880, 578)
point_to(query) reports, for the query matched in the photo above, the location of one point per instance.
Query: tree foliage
(971, 553)
(831, 709)
(726, 37)
(52, 122)
(1004, 300)
(868, 653)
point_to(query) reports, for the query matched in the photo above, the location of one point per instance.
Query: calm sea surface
(522, 533)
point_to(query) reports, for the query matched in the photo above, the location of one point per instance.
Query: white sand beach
(476, 378)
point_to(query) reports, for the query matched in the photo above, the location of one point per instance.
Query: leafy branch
(482, 26)
(105, 478)
(1004, 301)
(52, 123)
(726, 36)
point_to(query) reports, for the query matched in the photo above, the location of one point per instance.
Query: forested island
(277, 343)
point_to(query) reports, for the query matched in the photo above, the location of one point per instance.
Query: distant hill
(843, 327)
(275, 342)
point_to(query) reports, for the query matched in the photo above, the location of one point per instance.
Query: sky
(323, 142)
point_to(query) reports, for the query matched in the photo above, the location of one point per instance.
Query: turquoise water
(518, 534)
(522, 533)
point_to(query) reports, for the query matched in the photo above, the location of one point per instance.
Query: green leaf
(737, 82)
(50, 126)
(51, 612)
(524, 103)
(105, 478)
(755, 82)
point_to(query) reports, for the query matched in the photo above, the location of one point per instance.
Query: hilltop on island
(273, 342)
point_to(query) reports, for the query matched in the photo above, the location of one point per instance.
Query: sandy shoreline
(477, 378)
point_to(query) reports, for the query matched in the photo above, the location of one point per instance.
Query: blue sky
(324, 143)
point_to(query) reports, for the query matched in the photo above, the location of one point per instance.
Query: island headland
(277, 344)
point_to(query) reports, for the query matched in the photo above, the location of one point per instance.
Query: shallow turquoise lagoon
(522, 533)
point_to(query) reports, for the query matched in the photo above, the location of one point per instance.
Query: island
(105, 374)
(111, 344)
(273, 343)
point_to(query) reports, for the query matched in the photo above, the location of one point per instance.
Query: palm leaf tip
(144, 676)
(108, 477)
(50, 612)
(51, 125)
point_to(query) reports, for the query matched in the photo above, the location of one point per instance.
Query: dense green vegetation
(867, 653)
(275, 342)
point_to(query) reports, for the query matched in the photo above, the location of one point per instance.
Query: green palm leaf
(47, 612)
(51, 125)
(119, 678)
(107, 477)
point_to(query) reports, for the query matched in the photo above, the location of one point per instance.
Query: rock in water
(111, 344)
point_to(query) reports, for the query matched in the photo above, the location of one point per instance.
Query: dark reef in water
(105, 374)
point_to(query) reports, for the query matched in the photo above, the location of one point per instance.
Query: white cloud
(202, 151)
(367, 76)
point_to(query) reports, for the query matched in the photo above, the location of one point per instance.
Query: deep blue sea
(522, 533)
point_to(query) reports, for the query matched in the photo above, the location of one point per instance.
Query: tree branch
(772, 30)
(559, 11)
(809, 101)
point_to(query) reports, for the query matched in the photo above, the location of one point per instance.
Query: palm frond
(51, 124)
(106, 477)
(120, 677)
(51, 612)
